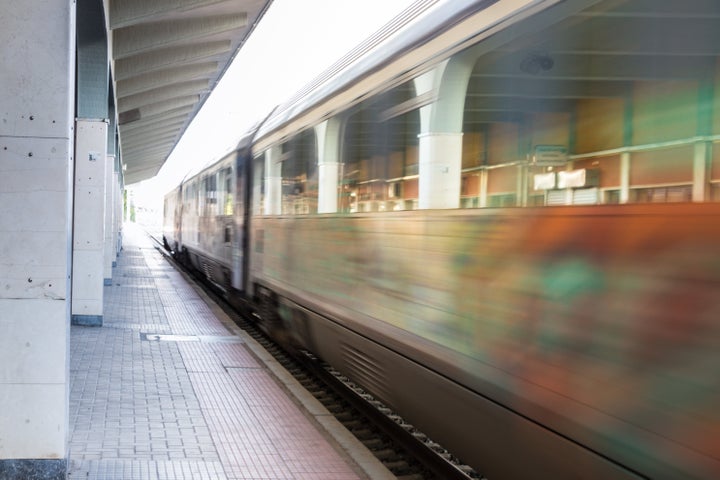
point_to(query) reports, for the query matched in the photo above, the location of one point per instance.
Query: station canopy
(167, 56)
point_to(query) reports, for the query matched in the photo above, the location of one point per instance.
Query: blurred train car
(200, 225)
(504, 222)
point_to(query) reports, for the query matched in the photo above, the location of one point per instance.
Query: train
(502, 221)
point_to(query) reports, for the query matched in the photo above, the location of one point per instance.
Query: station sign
(550, 155)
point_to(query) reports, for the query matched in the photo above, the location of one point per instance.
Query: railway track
(406, 452)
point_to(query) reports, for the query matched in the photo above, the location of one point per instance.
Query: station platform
(169, 389)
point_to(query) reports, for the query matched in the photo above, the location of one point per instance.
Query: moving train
(503, 221)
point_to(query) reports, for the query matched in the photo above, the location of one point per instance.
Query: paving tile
(200, 357)
(234, 356)
(172, 410)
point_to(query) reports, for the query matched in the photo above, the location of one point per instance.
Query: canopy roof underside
(167, 56)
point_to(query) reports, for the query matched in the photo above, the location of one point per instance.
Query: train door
(177, 220)
(240, 217)
(226, 200)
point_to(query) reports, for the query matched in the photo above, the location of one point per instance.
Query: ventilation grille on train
(365, 370)
(207, 269)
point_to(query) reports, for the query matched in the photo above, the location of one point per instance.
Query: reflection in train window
(590, 93)
(300, 174)
(225, 194)
(380, 153)
(597, 108)
(258, 193)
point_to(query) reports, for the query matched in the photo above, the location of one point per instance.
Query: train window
(200, 198)
(209, 195)
(258, 193)
(300, 174)
(715, 192)
(225, 193)
(612, 196)
(191, 198)
(503, 200)
(662, 194)
(229, 198)
(600, 97)
(380, 153)
(600, 90)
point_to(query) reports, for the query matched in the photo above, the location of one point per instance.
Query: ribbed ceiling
(167, 57)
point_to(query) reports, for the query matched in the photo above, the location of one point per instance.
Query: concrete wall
(37, 64)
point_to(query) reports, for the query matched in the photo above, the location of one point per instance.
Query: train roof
(410, 28)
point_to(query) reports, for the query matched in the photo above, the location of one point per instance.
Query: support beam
(129, 12)
(36, 152)
(147, 37)
(127, 68)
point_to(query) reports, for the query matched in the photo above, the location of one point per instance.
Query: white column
(37, 68)
(700, 171)
(89, 222)
(440, 140)
(109, 246)
(440, 165)
(273, 181)
(483, 188)
(328, 142)
(118, 208)
(625, 177)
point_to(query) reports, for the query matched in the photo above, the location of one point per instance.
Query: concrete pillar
(273, 181)
(89, 222)
(115, 192)
(625, 177)
(117, 215)
(93, 137)
(37, 65)
(328, 142)
(702, 157)
(625, 157)
(119, 195)
(483, 188)
(440, 170)
(440, 138)
(109, 245)
(701, 184)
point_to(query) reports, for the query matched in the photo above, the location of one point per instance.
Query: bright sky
(294, 42)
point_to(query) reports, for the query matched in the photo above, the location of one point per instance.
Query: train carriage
(505, 224)
(200, 222)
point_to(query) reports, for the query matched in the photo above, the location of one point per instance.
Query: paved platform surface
(169, 389)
